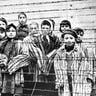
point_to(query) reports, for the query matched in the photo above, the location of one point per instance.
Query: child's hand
(3, 60)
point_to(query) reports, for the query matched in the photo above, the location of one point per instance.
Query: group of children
(40, 63)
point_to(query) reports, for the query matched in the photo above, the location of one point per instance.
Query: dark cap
(69, 31)
(79, 30)
(3, 20)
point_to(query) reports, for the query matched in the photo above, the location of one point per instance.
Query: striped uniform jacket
(31, 49)
(81, 69)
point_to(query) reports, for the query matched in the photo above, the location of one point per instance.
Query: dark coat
(22, 31)
(53, 43)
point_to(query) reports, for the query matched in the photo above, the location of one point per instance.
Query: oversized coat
(31, 49)
(81, 71)
(11, 49)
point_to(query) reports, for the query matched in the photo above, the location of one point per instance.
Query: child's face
(80, 34)
(45, 29)
(22, 19)
(69, 40)
(11, 33)
(2, 35)
(2, 24)
(64, 27)
(33, 29)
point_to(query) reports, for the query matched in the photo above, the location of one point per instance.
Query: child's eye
(66, 25)
(43, 28)
(20, 17)
(62, 25)
(23, 17)
(71, 37)
(66, 38)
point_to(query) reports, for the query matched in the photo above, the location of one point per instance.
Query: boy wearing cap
(74, 74)
(22, 28)
(80, 33)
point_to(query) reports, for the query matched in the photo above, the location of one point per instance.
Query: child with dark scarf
(22, 28)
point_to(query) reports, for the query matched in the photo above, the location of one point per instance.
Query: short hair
(3, 20)
(65, 22)
(22, 13)
(45, 22)
(11, 25)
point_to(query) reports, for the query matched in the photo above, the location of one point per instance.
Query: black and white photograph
(47, 47)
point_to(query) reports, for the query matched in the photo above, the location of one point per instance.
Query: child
(3, 22)
(74, 75)
(48, 38)
(2, 42)
(10, 50)
(2, 33)
(22, 28)
(30, 45)
(80, 33)
(3, 58)
(65, 24)
(50, 44)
